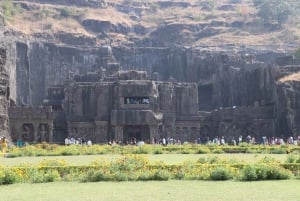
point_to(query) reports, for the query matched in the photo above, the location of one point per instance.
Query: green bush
(157, 151)
(161, 175)
(179, 174)
(120, 176)
(268, 159)
(264, 172)
(66, 12)
(244, 144)
(217, 151)
(297, 53)
(278, 151)
(129, 163)
(9, 9)
(135, 167)
(95, 176)
(274, 10)
(292, 159)
(249, 174)
(38, 176)
(7, 177)
(209, 160)
(51, 176)
(141, 150)
(220, 174)
(185, 151)
(203, 150)
(56, 150)
(213, 159)
(146, 176)
(70, 150)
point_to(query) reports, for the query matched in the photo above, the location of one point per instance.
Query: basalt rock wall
(224, 79)
(40, 65)
(4, 95)
(288, 107)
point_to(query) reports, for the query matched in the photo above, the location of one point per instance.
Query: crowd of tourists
(264, 140)
(78, 141)
(217, 140)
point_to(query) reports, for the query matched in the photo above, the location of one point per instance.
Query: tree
(297, 53)
(271, 11)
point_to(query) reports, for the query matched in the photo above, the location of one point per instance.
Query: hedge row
(135, 167)
(57, 150)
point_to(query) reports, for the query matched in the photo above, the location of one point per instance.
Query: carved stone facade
(31, 124)
(126, 105)
(185, 94)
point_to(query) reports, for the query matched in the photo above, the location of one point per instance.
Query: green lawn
(166, 158)
(155, 191)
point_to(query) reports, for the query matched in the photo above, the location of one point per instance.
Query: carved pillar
(51, 132)
(36, 131)
(70, 131)
(101, 132)
(154, 132)
(177, 132)
(118, 133)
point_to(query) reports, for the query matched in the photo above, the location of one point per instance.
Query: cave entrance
(136, 133)
(205, 133)
(205, 94)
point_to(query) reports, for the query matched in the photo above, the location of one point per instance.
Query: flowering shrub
(37, 176)
(95, 176)
(136, 167)
(203, 150)
(7, 177)
(45, 149)
(161, 175)
(220, 173)
(293, 159)
(264, 172)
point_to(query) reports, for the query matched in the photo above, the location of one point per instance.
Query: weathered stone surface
(287, 105)
(4, 95)
(223, 78)
(132, 107)
(31, 124)
(98, 26)
(41, 65)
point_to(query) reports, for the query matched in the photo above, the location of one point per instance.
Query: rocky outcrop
(75, 39)
(41, 65)
(4, 95)
(98, 26)
(224, 79)
(288, 98)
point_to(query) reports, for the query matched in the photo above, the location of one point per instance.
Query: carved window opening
(136, 100)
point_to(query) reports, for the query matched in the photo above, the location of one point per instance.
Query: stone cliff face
(239, 92)
(225, 79)
(40, 65)
(4, 95)
(288, 107)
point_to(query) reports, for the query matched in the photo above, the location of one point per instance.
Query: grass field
(155, 191)
(166, 158)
